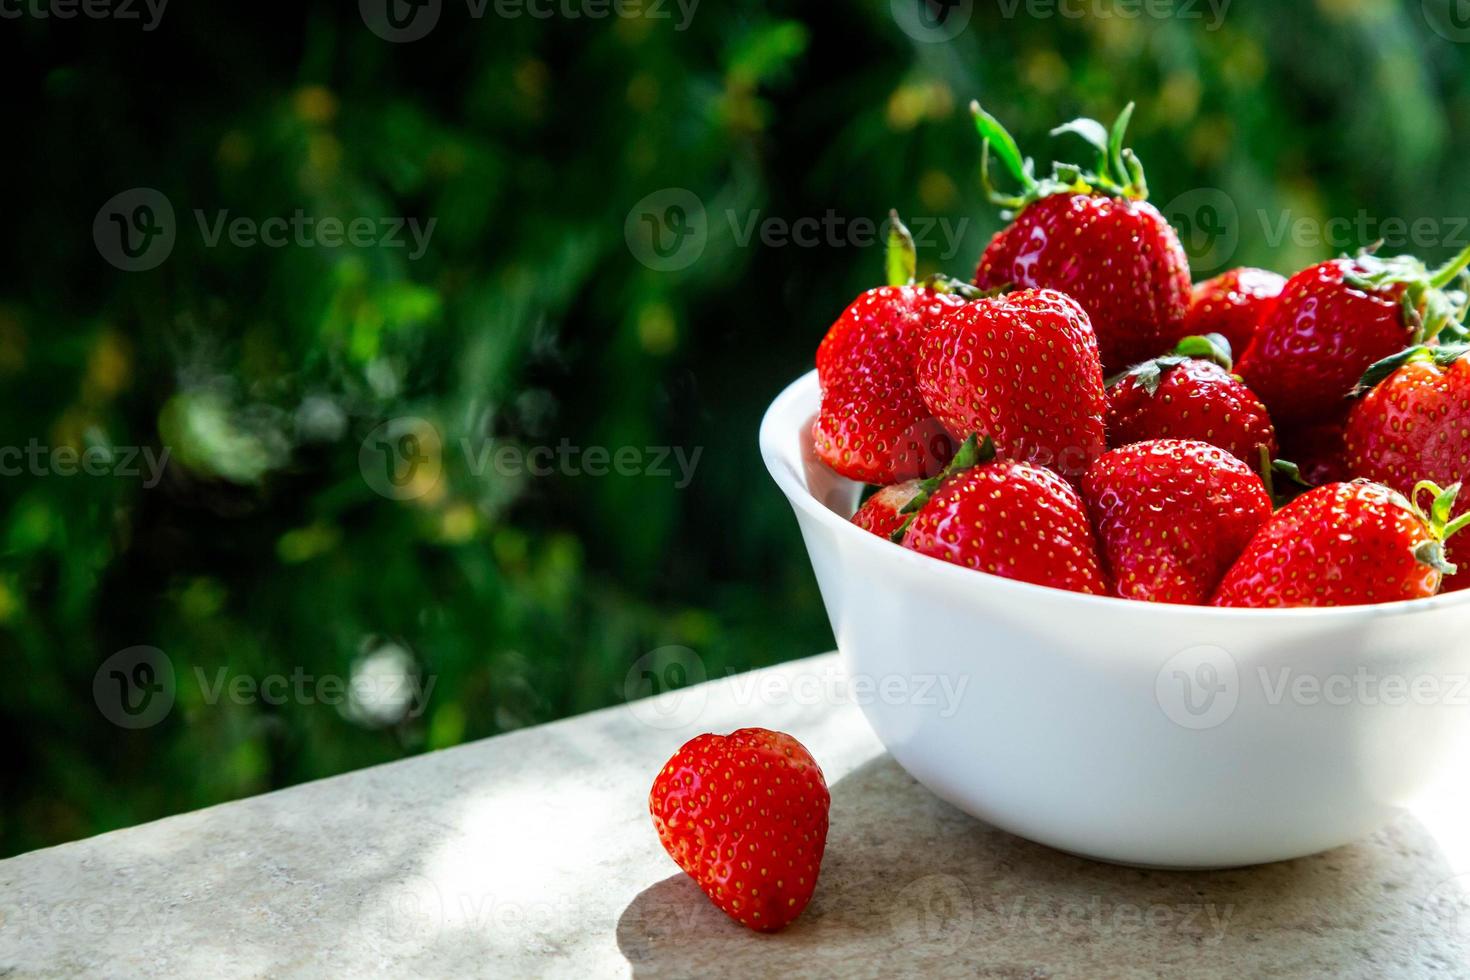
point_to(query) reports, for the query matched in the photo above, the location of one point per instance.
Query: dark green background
(265, 551)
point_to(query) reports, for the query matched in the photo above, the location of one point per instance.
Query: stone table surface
(531, 854)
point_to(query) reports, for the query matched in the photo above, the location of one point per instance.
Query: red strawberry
(1344, 544)
(1232, 304)
(873, 426)
(1022, 369)
(1092, 236)
(1014, 520)
(1413, 424)
(1190, 394)
(882, 512)
(745, 816)
(1172, 516)
(1333, 321)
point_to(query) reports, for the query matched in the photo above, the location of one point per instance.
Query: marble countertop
(531, 854)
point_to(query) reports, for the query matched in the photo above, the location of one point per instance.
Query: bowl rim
(802, 396)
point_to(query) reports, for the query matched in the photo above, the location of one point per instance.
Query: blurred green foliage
(528, 320)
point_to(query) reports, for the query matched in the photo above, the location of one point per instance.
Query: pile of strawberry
(1073, 416)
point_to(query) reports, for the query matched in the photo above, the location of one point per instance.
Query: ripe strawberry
(1232, 304)
(1093, 236)
(1172, 516)
(1190, 394)
(745, 816)
(873, 426)
(1014, 520)
(1022, 369)
(1413, 424)
(1335, 319)
(882, 513)
(1344, 544)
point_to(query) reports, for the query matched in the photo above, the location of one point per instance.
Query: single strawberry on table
(1333, 321)
(745, 816)
(1233, 304)
(1011, 519)
(1412, 424)
(1022, 369)
(1346, 544)
(1092, 235)
(873, 427)
(1172, 516)
(1190, 394)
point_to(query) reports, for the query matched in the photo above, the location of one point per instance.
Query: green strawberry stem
(972, 452)
(1440, 521)
(1429, 308)
(902, 259)
(1447, 273)
(1117, 171)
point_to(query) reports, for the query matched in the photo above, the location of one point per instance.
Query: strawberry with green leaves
(1172, 516)
(1413, 423)
(1092, 235)
(1233, 304)
(1346, 544)
(1334, 320)
(1010, 519)
(1023, 369)
(873, 427)
(745, 816)
(1190, 394)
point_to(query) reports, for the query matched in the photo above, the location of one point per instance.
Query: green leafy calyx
(1115, 170)
(972, 452)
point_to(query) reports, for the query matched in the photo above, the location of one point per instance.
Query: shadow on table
(914, 883)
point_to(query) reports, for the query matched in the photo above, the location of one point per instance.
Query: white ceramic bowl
(1169, 736)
